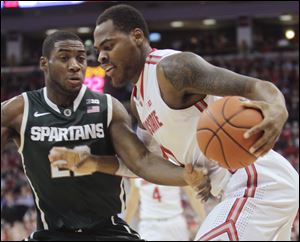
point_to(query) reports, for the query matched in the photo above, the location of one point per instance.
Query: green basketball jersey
(65, 199)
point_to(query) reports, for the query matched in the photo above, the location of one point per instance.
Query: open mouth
(108, 69)
(75, 78)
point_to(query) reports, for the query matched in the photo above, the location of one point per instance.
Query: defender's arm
(11, 117)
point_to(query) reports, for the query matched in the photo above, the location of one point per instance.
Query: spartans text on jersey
(72, 133)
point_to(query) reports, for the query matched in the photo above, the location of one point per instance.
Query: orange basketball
(220, 132)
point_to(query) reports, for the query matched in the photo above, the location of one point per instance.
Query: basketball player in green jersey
(74, 206)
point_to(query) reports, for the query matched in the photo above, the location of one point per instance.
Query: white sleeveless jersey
(158, 202)
(267, 190)
(174, 130)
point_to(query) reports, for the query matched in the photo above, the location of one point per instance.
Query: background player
(73, 206)
(161, 215)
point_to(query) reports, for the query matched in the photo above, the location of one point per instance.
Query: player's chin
(118, 82)
(74, 88)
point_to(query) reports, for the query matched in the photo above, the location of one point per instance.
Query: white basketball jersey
(259, 201)
(158, 202)
(174, 130)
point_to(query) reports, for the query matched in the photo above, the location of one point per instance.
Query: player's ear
(44, 63)
(138, 36)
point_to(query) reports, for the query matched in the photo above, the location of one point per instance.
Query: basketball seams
(221, 127)
(232, 116)
(214, 134)
(211, 138)
(216, 122)
(223, 153)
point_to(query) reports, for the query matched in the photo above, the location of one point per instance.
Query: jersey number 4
(156, 194)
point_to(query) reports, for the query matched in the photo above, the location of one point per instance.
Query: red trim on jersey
(234, 231)
(151, 62)
(142, 85)
(215, 233)
(235, 210)
(153, 59)
(134, 91)
(228, 227)
(198, 107)
(201, 105)
(155, 56)
(167, 154)
(204, 103)
(142, 78)
(234, 206)
(252, 181)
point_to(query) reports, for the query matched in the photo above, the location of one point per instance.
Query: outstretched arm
(136, 156)
(79, 160)
(191, 74)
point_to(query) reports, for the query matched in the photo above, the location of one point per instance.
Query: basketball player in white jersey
(172, 89)
(160, 210)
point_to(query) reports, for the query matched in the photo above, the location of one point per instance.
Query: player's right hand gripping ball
(220, 132)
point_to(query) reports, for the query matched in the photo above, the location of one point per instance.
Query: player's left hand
(75, 160)
(199, 180)
(274, 118)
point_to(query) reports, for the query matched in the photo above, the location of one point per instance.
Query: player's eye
(63, 58)
(81, 58)
(108, 47)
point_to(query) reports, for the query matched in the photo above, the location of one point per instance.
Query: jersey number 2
(57, 173)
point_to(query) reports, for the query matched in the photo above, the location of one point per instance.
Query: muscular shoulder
(12, 112)
(183, 70)
(191, 74)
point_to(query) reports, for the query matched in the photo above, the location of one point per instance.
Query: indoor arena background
(255, 38)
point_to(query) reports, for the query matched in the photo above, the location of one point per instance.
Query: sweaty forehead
(71, 45)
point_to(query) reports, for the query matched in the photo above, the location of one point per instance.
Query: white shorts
(171, 229)
(260, 202)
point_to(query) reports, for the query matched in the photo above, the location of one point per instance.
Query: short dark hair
(125, 18)
(48, 43)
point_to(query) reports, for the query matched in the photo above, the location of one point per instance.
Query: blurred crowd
(17, 205)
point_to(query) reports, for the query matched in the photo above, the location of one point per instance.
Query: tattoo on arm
(182, 71)
(187, 71)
